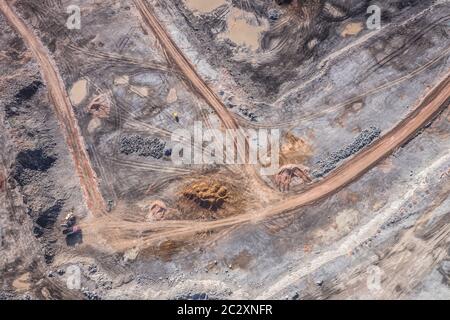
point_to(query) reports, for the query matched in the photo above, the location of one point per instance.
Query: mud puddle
(244, 29)
(204, 6)
(78, 92)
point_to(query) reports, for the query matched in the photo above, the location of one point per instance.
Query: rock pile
(144, 147)
(29, 163)
(273, 14)
(248, 114)
(90, 295)
(365, 138)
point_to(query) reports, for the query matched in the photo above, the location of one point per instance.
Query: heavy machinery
(69, 220)
(72, 231)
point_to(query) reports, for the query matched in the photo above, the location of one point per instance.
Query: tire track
(186, 67)
(430, 106)
(63, 110)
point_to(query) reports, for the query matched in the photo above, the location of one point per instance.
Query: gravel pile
(30, 163)
(365, 138)
(27, 92)
(145, 147)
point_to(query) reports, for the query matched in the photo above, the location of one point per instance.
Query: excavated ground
(308, 68)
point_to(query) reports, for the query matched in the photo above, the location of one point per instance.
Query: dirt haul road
(428, 108)
(185, 65)
(63, 108)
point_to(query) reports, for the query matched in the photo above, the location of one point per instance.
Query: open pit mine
(224, 150)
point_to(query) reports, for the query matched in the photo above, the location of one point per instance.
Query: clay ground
(87, 118)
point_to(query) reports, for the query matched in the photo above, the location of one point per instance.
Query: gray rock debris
(144, 147)
(193, 296)
(248, 114)
(365, 138)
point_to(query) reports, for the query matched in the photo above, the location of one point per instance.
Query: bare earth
(86, 123)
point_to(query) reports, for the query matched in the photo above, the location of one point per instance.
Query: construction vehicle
(175, 117)
(168, 152)
(71, 231)
(110, 205)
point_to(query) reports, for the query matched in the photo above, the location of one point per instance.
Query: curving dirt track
(63, 109)
(434, 102)
(429, 107)
(199, 85)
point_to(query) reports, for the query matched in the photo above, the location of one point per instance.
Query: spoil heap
(286, 173)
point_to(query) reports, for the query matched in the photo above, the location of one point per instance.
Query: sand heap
(286, 173)
(209, 195)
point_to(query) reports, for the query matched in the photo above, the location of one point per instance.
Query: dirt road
(430, 106)
(63, 108)
(186, 67)
(188, 70)
(436, 100)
